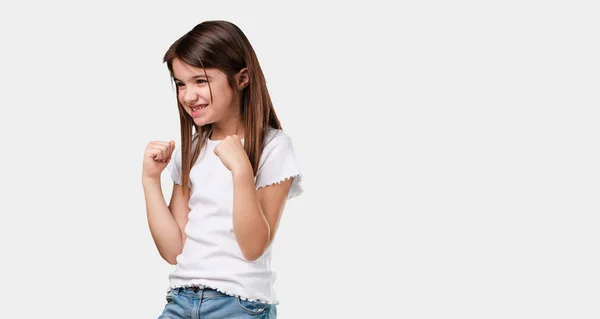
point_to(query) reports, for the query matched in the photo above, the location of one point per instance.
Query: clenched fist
(157, 156)
(232, 154)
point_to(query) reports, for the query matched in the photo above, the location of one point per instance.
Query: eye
(200, 81)
(179, 84)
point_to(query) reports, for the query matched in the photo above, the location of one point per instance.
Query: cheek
(180, 99)
(223, 97)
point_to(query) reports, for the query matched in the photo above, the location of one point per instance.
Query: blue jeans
(185, 303)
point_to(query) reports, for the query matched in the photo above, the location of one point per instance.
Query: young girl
(232, 175)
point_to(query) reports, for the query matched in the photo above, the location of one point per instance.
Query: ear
(242, 78)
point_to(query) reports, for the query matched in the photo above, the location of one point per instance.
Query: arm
(166, 223)
(256, 213)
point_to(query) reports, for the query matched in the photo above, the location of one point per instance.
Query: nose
(190, 97)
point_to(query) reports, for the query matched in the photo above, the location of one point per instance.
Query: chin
(200, 121)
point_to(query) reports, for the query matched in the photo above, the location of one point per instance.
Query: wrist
(150, 180)
(242, 170)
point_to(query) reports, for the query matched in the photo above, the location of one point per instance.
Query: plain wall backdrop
(449, 151)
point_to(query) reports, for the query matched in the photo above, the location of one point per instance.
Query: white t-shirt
(211, 256)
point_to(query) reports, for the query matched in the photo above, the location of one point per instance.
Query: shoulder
(277, 147)
(275, 137)
(278, 162)
(276, 142)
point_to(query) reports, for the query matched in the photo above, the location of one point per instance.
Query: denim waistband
(197, 291)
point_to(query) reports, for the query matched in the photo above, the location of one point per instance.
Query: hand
(157, 156)
(232, 154)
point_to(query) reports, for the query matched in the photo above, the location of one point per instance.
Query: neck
(230, 127)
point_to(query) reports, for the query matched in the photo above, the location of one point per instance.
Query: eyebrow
(194, 77)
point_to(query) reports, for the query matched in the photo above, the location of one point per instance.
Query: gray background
(450, 154)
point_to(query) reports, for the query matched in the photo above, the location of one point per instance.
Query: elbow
(254, 247)
(253, 253)
(171, 259)
(252, 256)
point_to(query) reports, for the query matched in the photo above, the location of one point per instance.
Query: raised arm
(166, 223)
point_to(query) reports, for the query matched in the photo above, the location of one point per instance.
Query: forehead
(183, 71)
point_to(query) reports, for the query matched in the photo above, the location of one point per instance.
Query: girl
(232, 176)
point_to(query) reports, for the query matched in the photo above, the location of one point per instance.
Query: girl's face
(194, 95)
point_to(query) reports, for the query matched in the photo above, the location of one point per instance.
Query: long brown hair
(222, 45)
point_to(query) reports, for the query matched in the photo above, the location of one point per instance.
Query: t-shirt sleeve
(278, 163)
(174, 166)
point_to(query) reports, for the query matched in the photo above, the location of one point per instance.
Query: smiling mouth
(199, 107)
